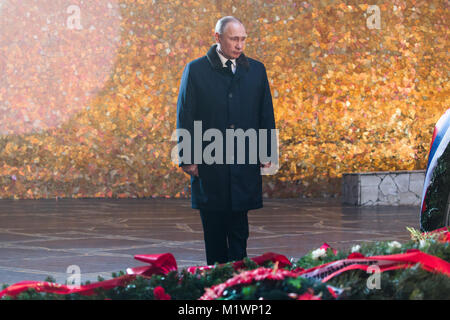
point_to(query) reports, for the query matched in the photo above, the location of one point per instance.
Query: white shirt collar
(223, 59)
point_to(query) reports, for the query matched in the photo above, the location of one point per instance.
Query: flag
(439, 142)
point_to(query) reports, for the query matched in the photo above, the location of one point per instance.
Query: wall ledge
(388, 188)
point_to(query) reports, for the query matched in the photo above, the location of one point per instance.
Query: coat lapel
(214, 60)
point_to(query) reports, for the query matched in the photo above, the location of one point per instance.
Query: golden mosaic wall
(88, 91)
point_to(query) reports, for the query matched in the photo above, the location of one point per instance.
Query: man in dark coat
(227, 92)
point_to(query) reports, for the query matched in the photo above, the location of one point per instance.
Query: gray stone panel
(369, 195)
(402, 182)
(416, 183)
(409, 199)
(388, 187)
(383, 188)
(370, 180)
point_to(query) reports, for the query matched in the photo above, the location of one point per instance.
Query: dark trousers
(225, 234)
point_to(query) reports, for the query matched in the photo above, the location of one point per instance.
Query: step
(385, 188)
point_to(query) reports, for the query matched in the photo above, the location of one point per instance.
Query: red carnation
(446, 237)
(326, 246)
(355, 255)
(309, 295)
(160, 294)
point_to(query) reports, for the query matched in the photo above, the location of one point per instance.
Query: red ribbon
(165, 263)
(329, 270)
(49, 287)
(159, 264)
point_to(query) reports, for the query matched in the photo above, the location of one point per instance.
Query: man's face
(232, 41)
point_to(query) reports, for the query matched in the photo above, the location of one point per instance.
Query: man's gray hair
(222, 23)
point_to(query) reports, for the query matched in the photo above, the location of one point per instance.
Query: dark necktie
(228, 63)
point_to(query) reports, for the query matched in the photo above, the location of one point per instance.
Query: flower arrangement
(417, 269)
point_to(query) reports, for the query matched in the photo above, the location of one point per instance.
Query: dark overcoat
(222, 100)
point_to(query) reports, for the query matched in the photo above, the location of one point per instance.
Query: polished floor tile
(39, 238)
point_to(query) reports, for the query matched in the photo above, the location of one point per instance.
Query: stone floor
(44, 237)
